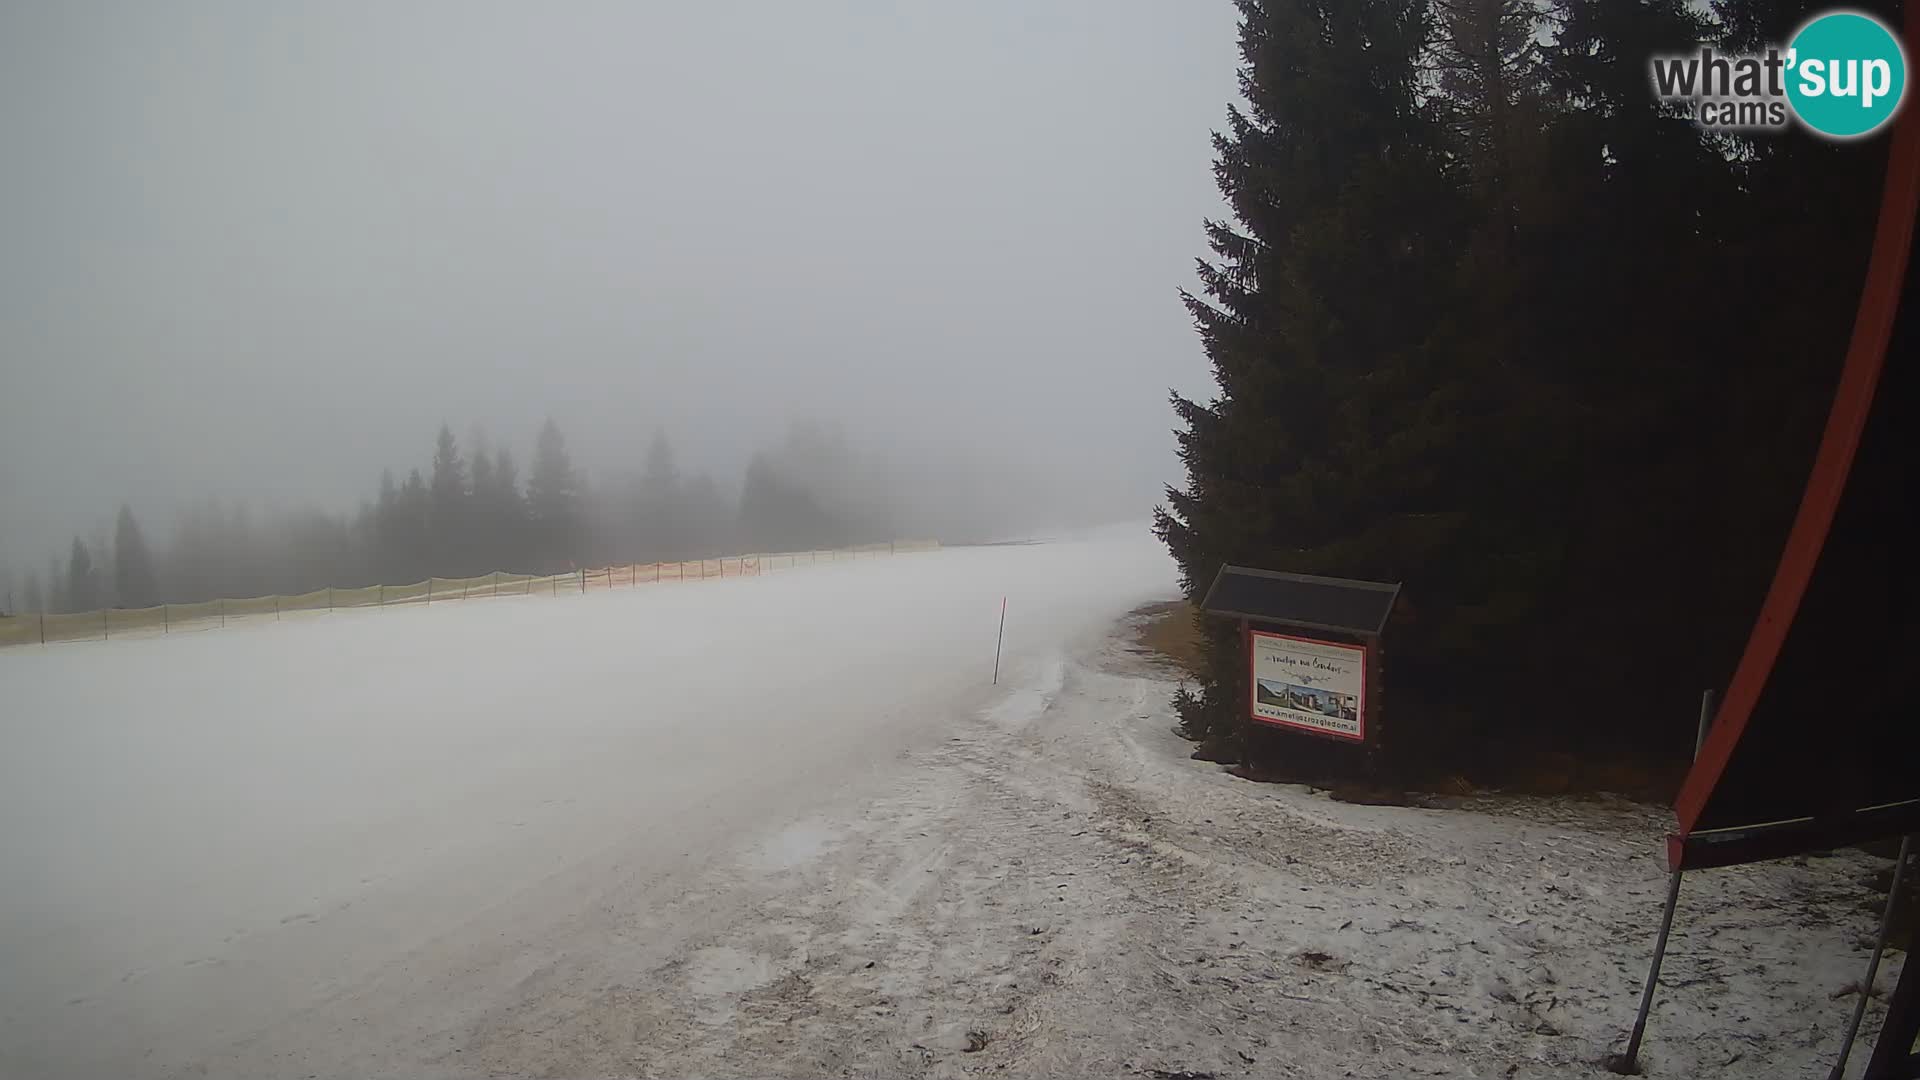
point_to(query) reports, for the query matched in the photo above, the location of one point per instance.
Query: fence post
(166, 624)
(276, 607)
(105, 633)
(495, 583)
(383, 597)
(583, 581)
(463, 588)
(429, 588)
(329, 598)
(43, 627)
(223, 611)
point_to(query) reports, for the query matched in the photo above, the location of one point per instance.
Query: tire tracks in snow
(1057, 891)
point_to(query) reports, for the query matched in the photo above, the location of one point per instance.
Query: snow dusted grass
(784, 827)
(1056, 890)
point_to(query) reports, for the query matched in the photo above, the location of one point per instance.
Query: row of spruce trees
(468, 514)
(1489, 320)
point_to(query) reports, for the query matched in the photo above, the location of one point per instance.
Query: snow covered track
(216, 842)
(785, 828)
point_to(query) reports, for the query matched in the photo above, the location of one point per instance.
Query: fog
(261, 252)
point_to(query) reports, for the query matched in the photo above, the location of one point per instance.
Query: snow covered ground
(785, 826)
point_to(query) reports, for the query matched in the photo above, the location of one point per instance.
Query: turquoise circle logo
(1846, 74)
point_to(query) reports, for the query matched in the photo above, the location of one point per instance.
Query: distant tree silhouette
(448, 521)
(661, 527)
(467, 514)
(778, 513)
(505, 510)
(56, 599)
(553, 501)
(83, 591)
(133, 580)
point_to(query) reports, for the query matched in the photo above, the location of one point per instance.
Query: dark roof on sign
(1317, 603)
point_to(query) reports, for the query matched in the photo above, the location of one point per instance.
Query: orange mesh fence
(32, 628)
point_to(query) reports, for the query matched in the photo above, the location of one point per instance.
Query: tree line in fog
(470, 511)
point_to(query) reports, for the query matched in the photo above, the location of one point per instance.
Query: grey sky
(263, 249)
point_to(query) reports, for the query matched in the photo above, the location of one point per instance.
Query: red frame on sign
(1253, 687)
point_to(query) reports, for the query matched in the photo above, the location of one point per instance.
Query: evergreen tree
(56, 586)
(480, 541)
(506, 511)
(778, 513)
(83, 592)
(553, 501)
(659, 515)
(448, 513)
(661, 477)
(1795, 198)
(705, 522)
(133, 580)
(1490, 79)
(1316, 454)
(387, 561)
(414, 507)
(1458, 329)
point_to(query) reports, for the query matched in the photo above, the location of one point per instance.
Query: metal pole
(223, 611)
(276, 607)
(43, 628)
(1873, 963)
(997, 638)
(383, 596)
(1899, 1029)
(1706, 721)
(429, 588)
(166, 624)
(1627, 1064)
(329, 598)
(105, 632)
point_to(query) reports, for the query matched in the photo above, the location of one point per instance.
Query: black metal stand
(1628, 1063)
(1893, 1052)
